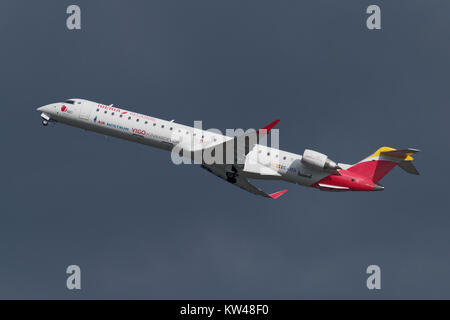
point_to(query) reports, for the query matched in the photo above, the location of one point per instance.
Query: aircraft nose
(47, 108)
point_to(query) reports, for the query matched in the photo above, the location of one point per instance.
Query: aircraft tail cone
(377, 187)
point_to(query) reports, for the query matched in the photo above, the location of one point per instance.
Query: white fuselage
(151, 131)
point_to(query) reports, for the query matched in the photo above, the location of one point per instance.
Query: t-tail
(377, 165)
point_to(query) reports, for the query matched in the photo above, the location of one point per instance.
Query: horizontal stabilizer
(404, 154)
(405, 161)
(408, 166)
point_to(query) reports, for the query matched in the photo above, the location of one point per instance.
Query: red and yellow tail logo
(378, 164)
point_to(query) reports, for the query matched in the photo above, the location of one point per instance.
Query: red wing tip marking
(277, 194)
(269, 126)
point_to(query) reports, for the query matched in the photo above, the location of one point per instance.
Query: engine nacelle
(318, 160)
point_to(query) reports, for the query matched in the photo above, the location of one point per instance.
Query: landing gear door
(85, 111)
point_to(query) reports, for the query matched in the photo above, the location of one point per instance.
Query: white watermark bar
(213, 147)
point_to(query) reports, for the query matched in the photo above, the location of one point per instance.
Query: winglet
(269, 127)
(278, 194)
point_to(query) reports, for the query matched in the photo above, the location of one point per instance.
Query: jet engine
(318, 160)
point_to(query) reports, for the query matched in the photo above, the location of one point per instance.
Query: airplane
(252, 160)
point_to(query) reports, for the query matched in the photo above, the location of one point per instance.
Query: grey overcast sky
(141, 227)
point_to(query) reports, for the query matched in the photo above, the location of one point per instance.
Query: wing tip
(278, 194)
(270, 126)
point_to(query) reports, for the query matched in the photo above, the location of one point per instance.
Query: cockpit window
(69, 101)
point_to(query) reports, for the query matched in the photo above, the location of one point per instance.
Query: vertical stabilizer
(380, 163)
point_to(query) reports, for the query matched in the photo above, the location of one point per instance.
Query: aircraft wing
(240, 181)
(241, 145)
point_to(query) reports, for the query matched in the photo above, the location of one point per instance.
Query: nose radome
(377, 187)
(49, 108)
(46, 108)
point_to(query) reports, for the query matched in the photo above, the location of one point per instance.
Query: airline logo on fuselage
(101, 106)
(123, 112)
(65, 109)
